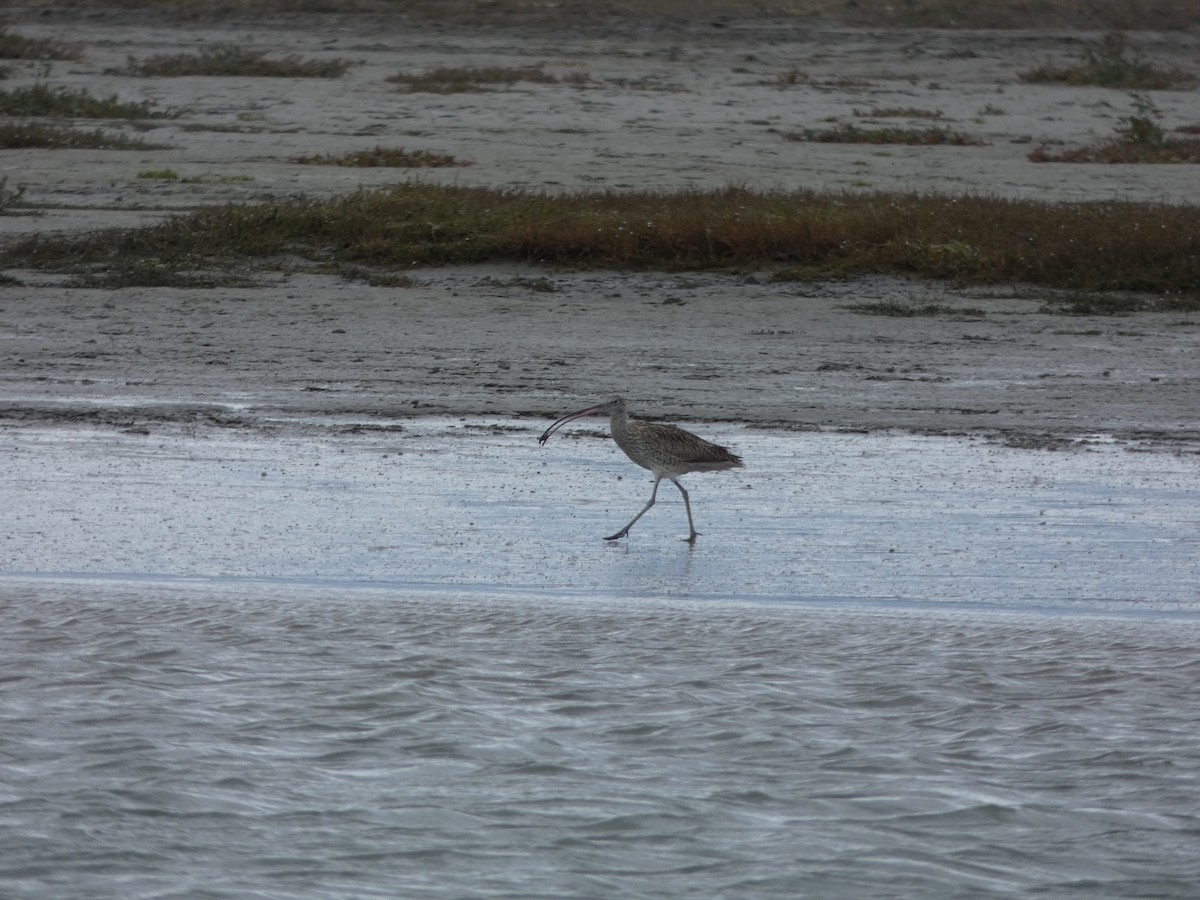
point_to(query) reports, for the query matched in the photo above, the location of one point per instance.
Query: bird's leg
(692, 532)
(624, 531)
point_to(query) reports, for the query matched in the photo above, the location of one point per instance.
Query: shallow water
(405, 665)
(812, 517)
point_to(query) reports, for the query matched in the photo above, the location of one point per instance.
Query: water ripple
(160, 741)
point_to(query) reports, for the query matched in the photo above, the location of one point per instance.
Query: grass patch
(1140, 140)
(384, 157)
(1173, 150)
(1110, 63)
(217, 179)
(646, 84)
(232, 61)
(465, 79)
(374, 277)
(1117, 304)
(16, 46)
(852, 134)
(898, 112)
(1164, 15)
(1086, 246)
(536, 285)
(912, 310)
(43, 100)
(18, 135)
(159, 174)
(150, 273)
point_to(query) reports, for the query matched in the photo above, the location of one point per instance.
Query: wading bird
(665, 450)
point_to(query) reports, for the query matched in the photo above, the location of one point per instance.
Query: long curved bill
(591, 410)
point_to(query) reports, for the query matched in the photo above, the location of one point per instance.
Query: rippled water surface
(399, 666)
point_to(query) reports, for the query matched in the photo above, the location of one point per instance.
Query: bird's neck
(618, 423)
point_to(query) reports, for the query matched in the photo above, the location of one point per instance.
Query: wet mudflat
(813, 517)
(401, 661)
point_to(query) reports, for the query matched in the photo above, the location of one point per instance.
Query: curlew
(665, 450)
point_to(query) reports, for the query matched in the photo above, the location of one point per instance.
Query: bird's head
(612, 407)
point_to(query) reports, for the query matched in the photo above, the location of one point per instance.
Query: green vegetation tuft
(910, 310)
(461, 80)
(149, 273)
(1109, 64)
(1166, 151)
(231, 60)
(1084, 246)
(43, 100)
(384, 157)
(1141, 139)
(17, 135)
(899, 112)
(852, 134)
(375, 277)
(16, 46)
(1117, 304)
(1088, 304)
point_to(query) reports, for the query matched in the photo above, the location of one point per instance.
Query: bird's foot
(691, 538)
(620, 534)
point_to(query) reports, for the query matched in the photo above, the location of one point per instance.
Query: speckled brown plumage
(665, 450)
